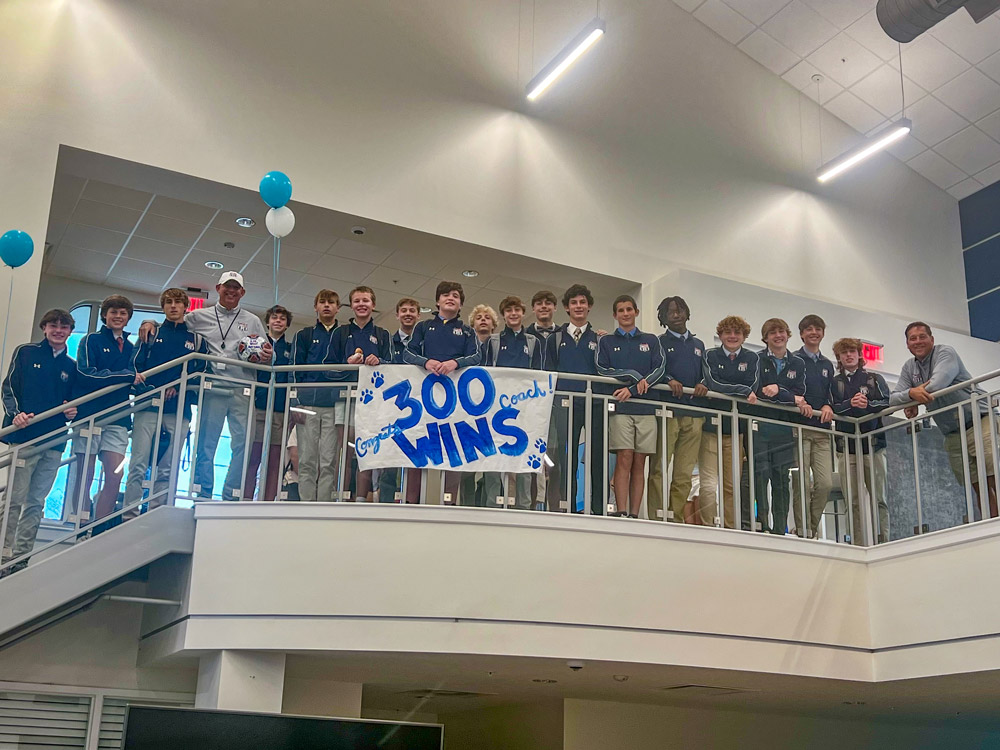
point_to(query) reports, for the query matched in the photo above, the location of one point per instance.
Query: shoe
(16, 567)
(631, 515)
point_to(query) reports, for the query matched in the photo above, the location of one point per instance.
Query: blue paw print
(540, 445)
(367, 395)
(377, 380)
(534, 461)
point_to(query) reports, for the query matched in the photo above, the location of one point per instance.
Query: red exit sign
(195, 303)
(871, 352)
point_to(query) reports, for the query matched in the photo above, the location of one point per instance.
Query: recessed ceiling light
(214, 265)
(246, 222)
(470, 274)
(424, 310)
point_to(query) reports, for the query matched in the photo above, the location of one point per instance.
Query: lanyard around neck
(219, 322)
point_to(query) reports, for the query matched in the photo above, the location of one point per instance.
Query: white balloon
(280, 221)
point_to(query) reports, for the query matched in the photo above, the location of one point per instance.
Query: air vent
(432, 693)
(702, 690)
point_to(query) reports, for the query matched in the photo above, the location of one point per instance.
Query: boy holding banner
(442, 345)
(635, 358)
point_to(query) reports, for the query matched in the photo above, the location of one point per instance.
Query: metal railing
(754, 435)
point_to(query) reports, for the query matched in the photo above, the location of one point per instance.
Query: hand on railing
(920, 394)
(70, 413)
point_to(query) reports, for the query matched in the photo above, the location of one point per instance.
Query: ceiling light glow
(214, 265)
(246, 222)
(470, 274)
(871, 147)
(561, 62)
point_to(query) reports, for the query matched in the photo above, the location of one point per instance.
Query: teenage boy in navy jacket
(817, 446)
(636, 358)
(782, 381)
(103, 358)
(41, 377)
(734, 370)
(360, 342)
(543, 307)
(683, 353)
(321, 433)
(442, 345)
(276, 320)
(172, 341)
(858, 393)
(573, 349)
(512, 347)
(407, 313)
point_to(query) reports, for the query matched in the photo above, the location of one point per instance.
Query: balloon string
(277, 255)
(10, 295)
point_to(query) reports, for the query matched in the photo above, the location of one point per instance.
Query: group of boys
(43, 377)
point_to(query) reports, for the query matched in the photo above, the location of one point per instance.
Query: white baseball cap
(231, 276)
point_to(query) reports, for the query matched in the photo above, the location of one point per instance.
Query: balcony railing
(921, 481)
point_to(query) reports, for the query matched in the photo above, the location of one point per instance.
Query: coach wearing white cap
(222, 326)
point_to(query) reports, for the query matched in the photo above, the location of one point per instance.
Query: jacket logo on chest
(670, 350)
(373, 339)
(189, 345)
(457, 331)
(242, 327)
(618, 349)
(826, 373)
(643, 347)
(107, 351)
(863, 390)
(593, 345)
(742, 367)
(37, 366)
(791, 375)
(64, 376)
(315, 341)
(697, 352)
(525, 348)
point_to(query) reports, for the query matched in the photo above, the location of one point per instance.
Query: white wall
(665, 148)
(713, 297)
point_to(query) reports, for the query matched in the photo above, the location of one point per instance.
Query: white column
(241, 681)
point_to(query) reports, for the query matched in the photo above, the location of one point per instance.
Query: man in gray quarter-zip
(222, 326)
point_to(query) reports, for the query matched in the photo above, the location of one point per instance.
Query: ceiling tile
(262, 274)
(310, 284)
(841, 13)
(165, 229)
(971, 150)
(115, 195)
(244, 246)
(292, 256)
(971, 94)
(989, 176)
(403, 282)
(418, 262)
(185, 278)
(937, 169)
(906, 148)
(355, 250)
(154, 251)
(801, 78)
(991, 125)
(800, 28)
(991, 67)
(973, 41)
(871, 35)
(106, 216)
(66, 191)
(881, 90)
(769, 53)
(333, 267)
(854, 112)
(94, 238)
(965, 188)
(933, 121)
(69, 257)
(196, 260)
(930, 63)
(723, 20)
(302, 306)
(176, 209)
(757, 11)
(844, 60)
(140, 271)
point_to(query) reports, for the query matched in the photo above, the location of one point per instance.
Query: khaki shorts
(632, 432)
(113, 438)
(953, 445)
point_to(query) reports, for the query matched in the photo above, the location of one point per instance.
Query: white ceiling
(951, 76)
(129, 227)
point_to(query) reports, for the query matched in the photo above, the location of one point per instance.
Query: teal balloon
(16, 248)
(276, 189)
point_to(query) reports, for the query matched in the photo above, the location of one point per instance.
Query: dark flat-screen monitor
(148, 728)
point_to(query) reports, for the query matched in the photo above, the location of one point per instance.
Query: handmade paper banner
(474, 419)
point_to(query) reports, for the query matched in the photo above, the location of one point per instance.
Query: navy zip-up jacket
(172, 341)
(630, 358)
(791, 382)
(100, 364)
(312, 346)
(736, 377)
(348, 338)
(510, 349)
(563, 354)
(38, 380)
(398, 347)
(443, 340)
(682, 361)
(819, 377)
(282, 356)
(843, 389)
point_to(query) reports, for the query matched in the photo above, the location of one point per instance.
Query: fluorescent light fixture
(300, 410)
(872, 146)
(569, 55)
